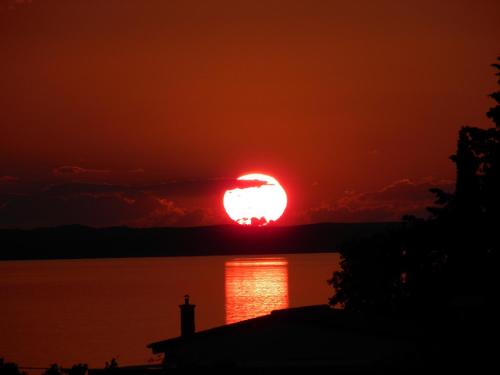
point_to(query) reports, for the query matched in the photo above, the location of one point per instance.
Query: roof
(306, 335)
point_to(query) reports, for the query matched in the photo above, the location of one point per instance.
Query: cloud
(199, 186)
(136, 170)
(37, 210)
(170, 188)
(103, 204)
(73, 170)
(389, 203)
(183, 203)
(99, 210)
(72, 188)
(168, 213)
(77, 175)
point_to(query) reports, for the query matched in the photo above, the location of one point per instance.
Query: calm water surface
(70, 311)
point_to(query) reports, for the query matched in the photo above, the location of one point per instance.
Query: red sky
(140, 112)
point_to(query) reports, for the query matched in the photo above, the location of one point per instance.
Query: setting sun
(256, 205)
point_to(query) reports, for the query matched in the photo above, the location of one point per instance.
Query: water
(71, 311)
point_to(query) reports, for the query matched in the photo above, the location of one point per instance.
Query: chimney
(187, 318)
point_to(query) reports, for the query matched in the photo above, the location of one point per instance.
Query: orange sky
(353, 106)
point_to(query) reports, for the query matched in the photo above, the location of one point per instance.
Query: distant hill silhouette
(76, 241)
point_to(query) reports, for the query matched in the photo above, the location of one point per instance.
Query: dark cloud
(199, 187)
(103, 204)
(84, 188)
(171, 188)
(48, 210)
(99, 210)
(137, 170)
(168, 213)
(73, 170)
(208, 186)
(387, 204)
(171, 203)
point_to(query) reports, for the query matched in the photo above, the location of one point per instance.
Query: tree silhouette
(54, 369)
(478, 172)
(428, 264)
(79, 369)
(10, 368)
(111, 366)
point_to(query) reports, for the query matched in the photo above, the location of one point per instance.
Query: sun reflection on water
(255, 287)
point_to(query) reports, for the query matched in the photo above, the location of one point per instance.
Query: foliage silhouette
(431, 266)
(111, 366)
(439, 273)
(79, 369)
(9, 368)
(54, 369)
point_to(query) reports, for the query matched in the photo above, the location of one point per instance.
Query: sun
(257, 205)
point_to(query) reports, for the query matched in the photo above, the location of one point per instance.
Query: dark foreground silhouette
(442, 271)
(311, 336)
